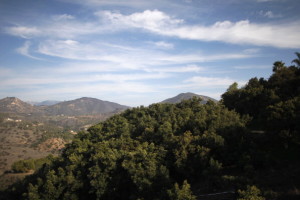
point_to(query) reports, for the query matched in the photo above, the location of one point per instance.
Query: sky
(139, 52)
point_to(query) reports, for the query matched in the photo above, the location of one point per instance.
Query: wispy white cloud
(127, 57)
(204, 83)
(253, 67)
(83, 67)
(199, 57)
(130, 77)
(24, 50)
(241, 32)
(252, 51)
(269, 14)
(58, 27)
(163, 45)
(78, 79)
(63, 17)
(23, 31)
(109, 57)
(200, 81)
(184, 69)
(74, 50)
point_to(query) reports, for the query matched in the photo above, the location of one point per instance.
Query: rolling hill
(15, 105)
(186, 96)
(84, 106)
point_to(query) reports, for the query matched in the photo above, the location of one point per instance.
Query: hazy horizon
(60, 101)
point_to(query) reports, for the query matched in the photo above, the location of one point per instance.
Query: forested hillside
(273, 104)
(247, 144)
(143, 153)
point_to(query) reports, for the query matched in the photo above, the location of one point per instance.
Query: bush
(183, 193)
(23, 166)
(251, 193)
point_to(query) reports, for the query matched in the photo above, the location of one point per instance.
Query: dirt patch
(52, 144)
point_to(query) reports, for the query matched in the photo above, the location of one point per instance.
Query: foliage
(23, 166)
(274, 104)
(297, 60)
(251, 193)
(183, 193)
(49, 131)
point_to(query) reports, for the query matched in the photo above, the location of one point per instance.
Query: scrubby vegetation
(248, 143)
(21, 139)
(23, 166)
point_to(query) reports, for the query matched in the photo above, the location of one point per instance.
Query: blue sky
(138, 52)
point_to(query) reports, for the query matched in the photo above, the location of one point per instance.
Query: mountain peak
(15, 105)
(186, 96)
(85, 106)
(11, 99)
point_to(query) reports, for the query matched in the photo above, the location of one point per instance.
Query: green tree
(251, 193)
(33, 193)
(278, 65)
(181, 193)
(23, 166)
(297, 60)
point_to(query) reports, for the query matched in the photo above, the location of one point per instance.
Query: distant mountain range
(81, 106)
(186, 96)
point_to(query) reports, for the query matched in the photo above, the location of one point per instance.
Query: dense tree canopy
(274, 104)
